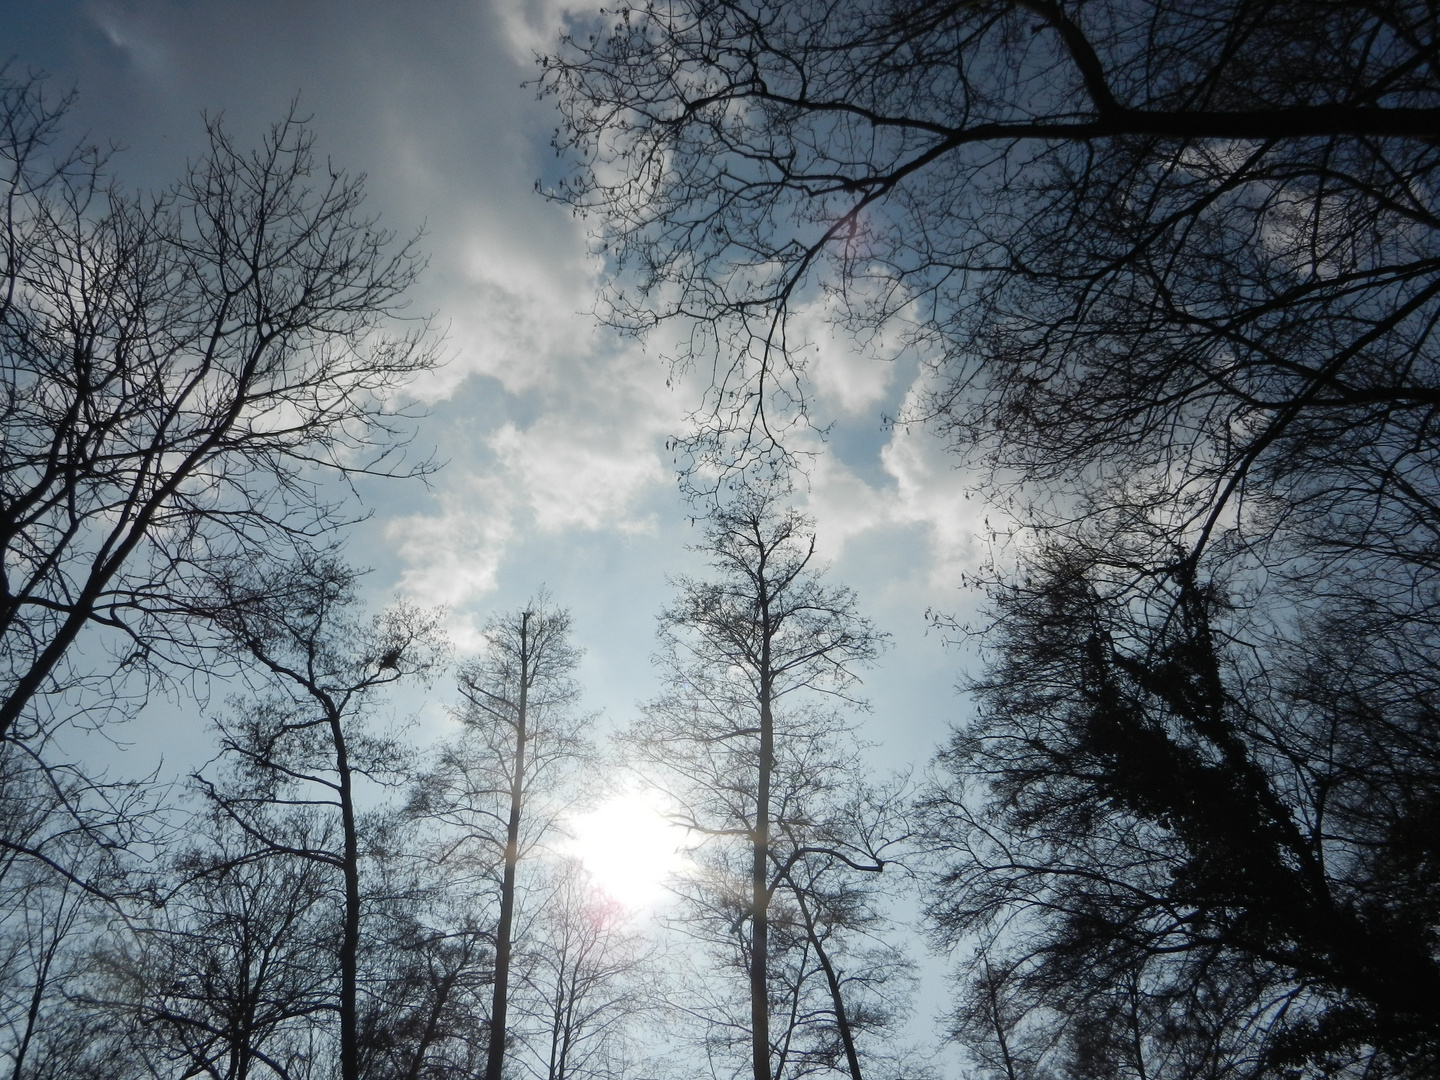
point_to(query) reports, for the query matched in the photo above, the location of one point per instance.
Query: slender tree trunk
(560, 1018)
(1004, 1043)
(37, 997)
(432, 1022)
(557, 1020)
(350, 935)
(567, 1029)
(759, 884)
(495, 1059)
(832, 980)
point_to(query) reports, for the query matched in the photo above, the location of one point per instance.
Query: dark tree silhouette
(304, 741)
(55, 884)
(1132, 234)
(426, 961)
(173, 369)
(1240, 840)
(496, 789)
(234, 975)
(755, 764)
(1173, 268)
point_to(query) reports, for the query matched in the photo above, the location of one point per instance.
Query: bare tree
(1202, 863)
(1173, 267)
(173, 368)
(304, 740)
(496, 789)
(747, 760)
(835, 914)
(427, 961)
(234, 975)
(45, 924)
(64, 863)
(429, 1018)
(1137, 232)
(584, 979)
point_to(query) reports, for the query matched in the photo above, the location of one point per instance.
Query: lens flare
(629, 848)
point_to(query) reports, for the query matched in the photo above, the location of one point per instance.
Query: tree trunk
(37, 998)
(495, 1058)
(350, 937)
(759, 886)
(432, 1022)
(832, 980)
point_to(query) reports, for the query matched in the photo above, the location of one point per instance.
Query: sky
(552, 427)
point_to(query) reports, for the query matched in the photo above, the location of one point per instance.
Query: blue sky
(553, 428)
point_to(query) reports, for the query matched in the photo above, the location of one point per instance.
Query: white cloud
(588, 460)
(144, 48)
(849, 377)
(514, 289)
(931, 491)
(585, 477)
(523, 320)
(452, 558)
(531, 26)
(844, 506)
(923, 488)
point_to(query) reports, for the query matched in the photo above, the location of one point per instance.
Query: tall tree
(172, 370)
(1173, 267)
(1147, 806)
(585, 981)
(232, 977)
(72, 857)
(734, 741)
(427, 961)
(66, 860)
(304, 740)
(836, 917)
(498, 788)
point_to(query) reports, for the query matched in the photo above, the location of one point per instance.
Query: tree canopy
(1172, 269)
(173, 369)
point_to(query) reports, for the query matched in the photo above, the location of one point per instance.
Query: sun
(629, 848)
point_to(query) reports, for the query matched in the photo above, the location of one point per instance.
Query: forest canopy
(1172, 268)
(1168, 273)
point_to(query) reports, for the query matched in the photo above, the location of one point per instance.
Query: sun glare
(629, 848)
